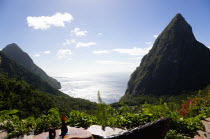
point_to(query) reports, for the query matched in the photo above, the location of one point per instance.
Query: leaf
(7, 112)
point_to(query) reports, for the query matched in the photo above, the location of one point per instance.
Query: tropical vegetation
(18, 94)
(186, 118)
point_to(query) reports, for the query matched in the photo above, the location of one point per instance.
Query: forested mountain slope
(177, 62)
(22, 58)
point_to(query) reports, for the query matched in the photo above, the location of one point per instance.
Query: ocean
(112, 86)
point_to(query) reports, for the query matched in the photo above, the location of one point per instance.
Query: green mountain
(22, 58)
(14, 70)
(177, 62)
(18, 94)
(21, 89)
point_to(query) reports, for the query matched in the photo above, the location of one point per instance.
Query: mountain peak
(179, 26)
(13, 47)
(179, 21)
(179, 16)
(178, 30)
(174, 64)
(22, 58)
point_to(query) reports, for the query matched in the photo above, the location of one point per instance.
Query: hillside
(22, 58)
(17, 94)
(176, 63)
(14, 70)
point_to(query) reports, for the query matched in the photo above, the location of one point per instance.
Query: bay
(112, 86)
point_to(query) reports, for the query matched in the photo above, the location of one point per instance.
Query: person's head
(63, 118)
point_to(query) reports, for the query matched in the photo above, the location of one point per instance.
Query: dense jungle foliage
(186, 118)
(17, 94)
(154, 99)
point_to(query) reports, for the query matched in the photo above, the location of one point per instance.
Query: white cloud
(135, 58)
(101, 52)
(134, 51)
(67, 42)
(46, 52)
(45, 22)
(148, 43)
(73, 41)
(87, 44)
(99, 34)
(155, 36)
(110, 62)
(37, 55)
(79, 33)
(63, 53)
(69, 59)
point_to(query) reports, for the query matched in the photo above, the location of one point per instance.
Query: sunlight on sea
(112, 86)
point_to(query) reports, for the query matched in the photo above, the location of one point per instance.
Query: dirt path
(204, 134)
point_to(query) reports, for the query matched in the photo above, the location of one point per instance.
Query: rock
(103, 131)
(204, 134)
(3, 134)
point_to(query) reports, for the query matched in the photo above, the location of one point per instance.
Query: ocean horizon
(112, 86)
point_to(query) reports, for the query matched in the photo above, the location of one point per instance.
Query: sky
(94, 36)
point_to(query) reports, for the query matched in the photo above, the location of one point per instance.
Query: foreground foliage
(18, 127)
(184, 123)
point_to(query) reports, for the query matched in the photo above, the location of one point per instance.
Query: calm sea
(111, 86)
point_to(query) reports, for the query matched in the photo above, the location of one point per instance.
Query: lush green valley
(154, 99)
(17, 94)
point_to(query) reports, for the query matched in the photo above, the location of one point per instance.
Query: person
(64, 129)
(63, 118)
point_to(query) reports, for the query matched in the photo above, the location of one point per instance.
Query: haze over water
(112, 86)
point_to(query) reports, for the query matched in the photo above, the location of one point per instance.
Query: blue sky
(69, 36)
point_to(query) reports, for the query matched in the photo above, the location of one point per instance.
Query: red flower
(184, 106)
